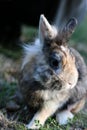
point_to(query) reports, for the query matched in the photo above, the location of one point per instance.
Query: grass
(10, 53)
(20, 126)
(6, 91)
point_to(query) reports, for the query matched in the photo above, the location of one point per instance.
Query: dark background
(15, 13)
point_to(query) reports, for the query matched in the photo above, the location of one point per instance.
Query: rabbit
(53, 77)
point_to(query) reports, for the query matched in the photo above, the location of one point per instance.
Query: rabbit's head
(53, 64)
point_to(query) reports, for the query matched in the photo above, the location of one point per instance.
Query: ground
(14, 114)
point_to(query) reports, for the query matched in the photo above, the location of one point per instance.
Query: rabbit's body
(53, 77)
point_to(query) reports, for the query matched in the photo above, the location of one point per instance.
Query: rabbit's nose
(46, 76)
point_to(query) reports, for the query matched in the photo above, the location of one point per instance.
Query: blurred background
(19, 18)
(19, 21)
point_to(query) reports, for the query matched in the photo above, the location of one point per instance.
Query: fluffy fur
(53, 78)
(30, 51)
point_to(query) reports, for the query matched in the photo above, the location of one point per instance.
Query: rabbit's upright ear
(69, 28)
(45, 29)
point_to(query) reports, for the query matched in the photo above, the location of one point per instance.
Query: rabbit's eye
(55, 61)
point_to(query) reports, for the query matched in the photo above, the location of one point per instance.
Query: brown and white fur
(53, 77)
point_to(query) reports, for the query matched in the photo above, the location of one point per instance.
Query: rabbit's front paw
(63, 117)
(32, 126)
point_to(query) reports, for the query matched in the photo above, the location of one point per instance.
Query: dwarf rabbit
(53, 78)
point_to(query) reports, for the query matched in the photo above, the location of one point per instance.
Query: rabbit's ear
(69, 28)
(45, 29)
